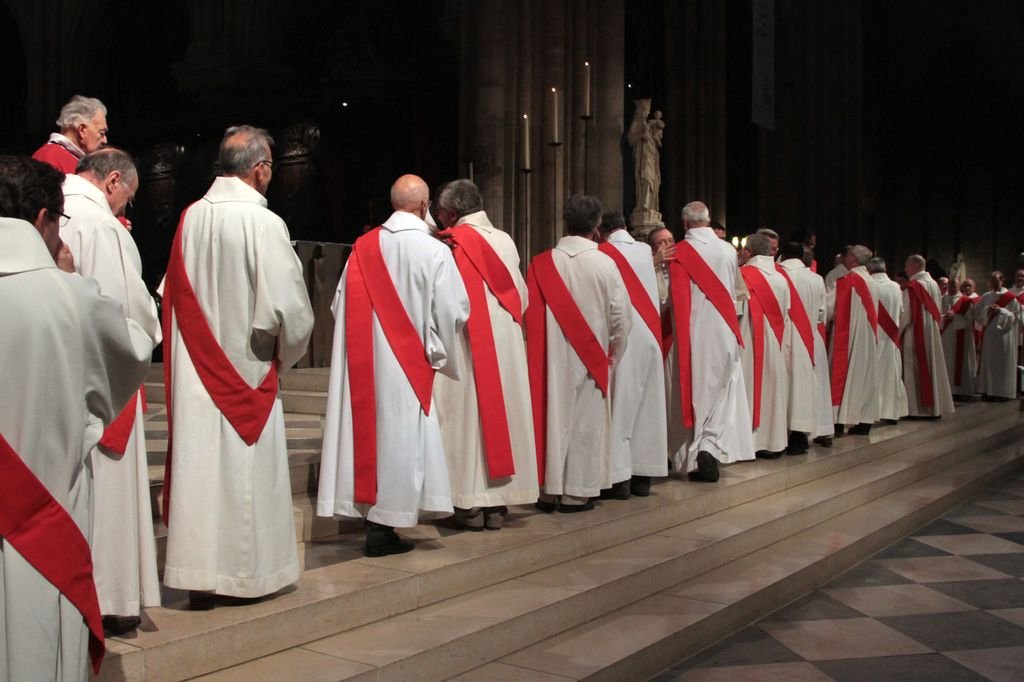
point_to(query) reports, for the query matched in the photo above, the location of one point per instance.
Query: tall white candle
(524, 143)
(553, 119)
(585, 104)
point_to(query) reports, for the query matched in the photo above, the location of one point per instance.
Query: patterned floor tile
(976, 508)
(868, 574)
(814, 606)
(818, 640)
(943, 527)
(897, 600)
(994, 524)
(985, 594)
(772, 672)
(920, 668)
(1010, 564)
(998, 665)
(909, 547)
(958, 631)
(1012, 537)
(749, 646)
(941, 569)
(975, 543)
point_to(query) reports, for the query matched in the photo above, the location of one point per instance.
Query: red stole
(1003, 301)
(116, 435)
(798, 314)
(763, 306)
(845, 286)
(479, 265)
(637, 293)
(888, 325)
(921, 302)
(686, 267)
(246, 408)
(370, 290)
(43, 532)
(962, 306)
(547, 290)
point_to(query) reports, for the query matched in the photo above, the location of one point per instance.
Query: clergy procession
(464, 380)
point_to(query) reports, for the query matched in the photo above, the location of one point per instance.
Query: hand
(65, 261)
(124, 221)
(665, 252)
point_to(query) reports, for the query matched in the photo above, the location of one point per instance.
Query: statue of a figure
(957, 269)
(645, 135)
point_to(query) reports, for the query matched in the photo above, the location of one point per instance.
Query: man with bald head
(236, 312)
(708, 413)
(924, 364)
(398, 310)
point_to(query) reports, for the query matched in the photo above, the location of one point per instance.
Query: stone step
(342, 591)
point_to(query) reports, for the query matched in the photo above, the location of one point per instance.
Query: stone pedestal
(644, 221)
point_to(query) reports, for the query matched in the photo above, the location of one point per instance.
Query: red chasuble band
(921, 302)
(479, 265)
(46, 536)
(547, 290)
(798, 315)
(888, 325)
(962, 306)
(763, 306)
(1003, 301)
(115, 437)
(845, 286)
(638, 295)
(686, 267)
(369, 291)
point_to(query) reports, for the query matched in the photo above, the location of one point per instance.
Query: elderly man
(766, 342)
(708, 409)
(73, 363)
(924, 365)
(853, 311)
(773, 239)
(810, 411)
(398, 311)
(577, 326)
(958, 346)
(83, 129)
(124, 551)
(639, 429)
(999, 312)
(485, 417)
(236, 312)
(891, 391)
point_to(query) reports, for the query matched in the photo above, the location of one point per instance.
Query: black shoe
(201, 601)
(840, 430)
(890, 422)
(707, 468)
(494, 517)
(860, 430)
(468, 519)
(767, 454)
(573, 508)
(797, 443)
(640, 486)
(546, 507)
(824, 441)
(618, 491)
(114, 626)
(382, 540)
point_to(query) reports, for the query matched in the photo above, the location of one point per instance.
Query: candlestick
(553, 118)
(524, 143)
(585, 104)
(469, 171)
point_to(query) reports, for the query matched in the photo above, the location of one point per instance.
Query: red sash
(42, 532)
(637, 293)
(370, 290)
(888, 325)
(962, 305)
(823, 332)
(547, 290)
(763, 305)
(1003, 301)
(246, 408)
(115, 436)
(920, 302)
(666, 332)
(688, 266)
(845, 286)
(479, 265)
(798, 315)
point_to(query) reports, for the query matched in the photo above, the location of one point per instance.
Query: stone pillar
(608, 81)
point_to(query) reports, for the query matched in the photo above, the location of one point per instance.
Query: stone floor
(945, 604)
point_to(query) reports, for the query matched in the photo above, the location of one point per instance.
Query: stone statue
(645, 136)
(957, 269)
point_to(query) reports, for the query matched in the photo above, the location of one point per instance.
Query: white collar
(226, 188)
(701, 234)
(66, 143)
(479, 220)
(24, 248)
(621, 237)
(76, 185)
(403, 220)
(763, 263)
(574, 245)
(793, 264)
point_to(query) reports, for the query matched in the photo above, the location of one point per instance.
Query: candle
(585, 108)
(524, 143)
(553, 119)
(469, 170)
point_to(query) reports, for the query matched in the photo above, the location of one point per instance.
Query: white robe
(639, 428)
(721, 411)
(412, 476)
(833, 276)
(123, 547)
(578, 438)
(232, 528)
(71, 362)
(772, 433)
(458, 412)
(860, 402)
(968, 360)
(810, 405)
(942, 396)
(891, 391)
(997, 367)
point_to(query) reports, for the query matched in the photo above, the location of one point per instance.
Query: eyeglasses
(63, 220)
(268, 162)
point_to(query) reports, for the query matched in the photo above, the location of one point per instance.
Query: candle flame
(525, 116)
(554, 89)
(586, 63)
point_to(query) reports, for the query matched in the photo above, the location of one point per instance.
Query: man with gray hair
(924, 363)
(853, 311)
(576, 328)
(83, 129)
(236, 312)
(485, 416)
(124, 551)
(773, 238)
(708, 413)
(891, 391)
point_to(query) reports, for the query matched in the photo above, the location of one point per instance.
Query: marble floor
(946, 604)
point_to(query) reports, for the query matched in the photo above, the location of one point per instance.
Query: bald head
(410, 194)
